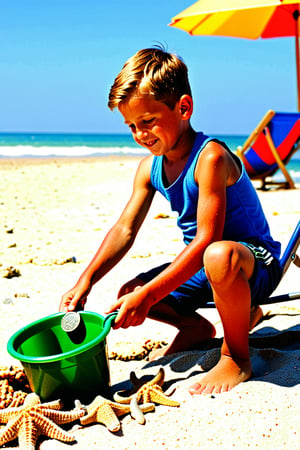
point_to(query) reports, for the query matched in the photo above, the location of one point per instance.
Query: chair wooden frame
(262, 127)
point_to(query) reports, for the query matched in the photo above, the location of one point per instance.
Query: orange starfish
(146, 392)
(107, 412)
(33, 419)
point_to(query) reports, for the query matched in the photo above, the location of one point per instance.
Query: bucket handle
(110, 318)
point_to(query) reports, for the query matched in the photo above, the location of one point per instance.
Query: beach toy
(59, 366)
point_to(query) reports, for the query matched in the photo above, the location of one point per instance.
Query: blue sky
(59, 58)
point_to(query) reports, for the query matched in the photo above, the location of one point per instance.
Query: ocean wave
(295, 174)
(45, 151)
(23, 151)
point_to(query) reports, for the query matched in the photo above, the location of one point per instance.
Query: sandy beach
(54, 214)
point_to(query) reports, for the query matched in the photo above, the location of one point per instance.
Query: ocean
(18, 145)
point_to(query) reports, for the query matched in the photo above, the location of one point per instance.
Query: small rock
(22, 294)
(162, 216)
(72, 259)
(11, 272)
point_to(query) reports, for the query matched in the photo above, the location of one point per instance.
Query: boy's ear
(186, 106)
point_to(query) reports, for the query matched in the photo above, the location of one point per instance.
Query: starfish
(13, 386)
(150, 391)
(33, 419)
(105, 411)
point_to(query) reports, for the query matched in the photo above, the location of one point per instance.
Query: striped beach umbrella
(251, 19)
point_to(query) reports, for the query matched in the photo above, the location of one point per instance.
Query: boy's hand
(133, 309)
(75, 298)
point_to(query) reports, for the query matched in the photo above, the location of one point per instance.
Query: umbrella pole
(296, 17)
(298, 70)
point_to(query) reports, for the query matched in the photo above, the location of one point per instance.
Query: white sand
(55, 209)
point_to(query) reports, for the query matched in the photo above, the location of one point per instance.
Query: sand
(54, 214)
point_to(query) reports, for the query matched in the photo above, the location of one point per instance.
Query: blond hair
(151, 71)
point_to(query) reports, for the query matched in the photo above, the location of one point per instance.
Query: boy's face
(153, 124)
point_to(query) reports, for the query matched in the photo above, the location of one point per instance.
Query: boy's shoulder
(145, 165)
(215, 149)
(147, 161)
(217, 159)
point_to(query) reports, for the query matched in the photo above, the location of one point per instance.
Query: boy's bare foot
(256, 315)
(223, 377)
(188, 338)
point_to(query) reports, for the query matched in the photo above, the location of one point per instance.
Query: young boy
(229, 256)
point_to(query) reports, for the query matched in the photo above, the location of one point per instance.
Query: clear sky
(58, 59)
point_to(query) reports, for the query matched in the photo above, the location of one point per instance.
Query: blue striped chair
(270, 147)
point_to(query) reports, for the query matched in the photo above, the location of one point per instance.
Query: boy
(229, 256)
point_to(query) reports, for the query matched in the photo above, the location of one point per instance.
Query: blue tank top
(245, 220)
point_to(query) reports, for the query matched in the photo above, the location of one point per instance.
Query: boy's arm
(213, 173)
(117, 241)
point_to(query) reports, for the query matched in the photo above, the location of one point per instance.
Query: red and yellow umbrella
(251, 19)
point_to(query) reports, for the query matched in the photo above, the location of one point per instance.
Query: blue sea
(18, 145)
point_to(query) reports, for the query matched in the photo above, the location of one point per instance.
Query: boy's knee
(219, 260)
(217, 253)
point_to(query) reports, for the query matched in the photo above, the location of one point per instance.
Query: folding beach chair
(270, 147)
(289, 255)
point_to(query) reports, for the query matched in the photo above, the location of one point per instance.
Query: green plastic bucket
(59, 366)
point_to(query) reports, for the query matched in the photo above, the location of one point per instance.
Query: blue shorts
(196, 292)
